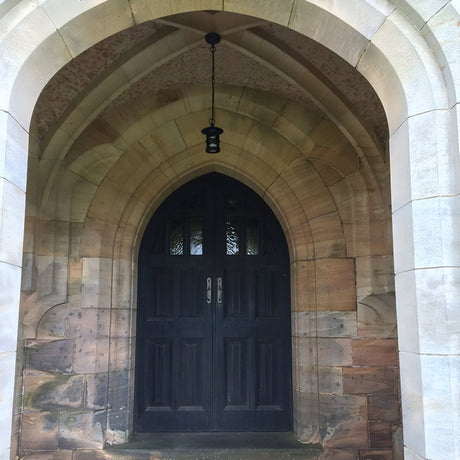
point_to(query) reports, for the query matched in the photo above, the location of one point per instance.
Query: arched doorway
(213, 341)
(409, 114)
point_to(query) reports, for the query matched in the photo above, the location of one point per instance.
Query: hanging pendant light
(212, 132)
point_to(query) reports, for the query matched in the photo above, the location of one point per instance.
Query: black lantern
(212, 132)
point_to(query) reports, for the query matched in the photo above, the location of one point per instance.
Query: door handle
(219, 290)
(208, 289)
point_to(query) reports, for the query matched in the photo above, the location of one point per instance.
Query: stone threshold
(215, 446)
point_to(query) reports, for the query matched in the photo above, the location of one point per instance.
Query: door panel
(210, 360)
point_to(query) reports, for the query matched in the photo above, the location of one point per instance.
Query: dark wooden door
(213, 336)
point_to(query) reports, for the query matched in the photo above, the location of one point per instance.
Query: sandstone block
(119, 387)
(96, 391)
(343, 421)
(303, 286)
(118, 422)
(56, 455)
(53, 392)
(90, 356)
(52, 323)
(375, 352)
(377, 316)
(339, 454)
(96, 281)
(306, 416)
(380, 434)
(325, 324)
(79, 430)
(334, 352)
(84, 454)
(330, 380)
(39, 431)
(120, 322)
(120, 351)
(300, 242)
(370, 380)
(49, 355)
(374, 275)
(328, 237)
(374, 454)
(384, 408)
(335, 284)
(86, 323)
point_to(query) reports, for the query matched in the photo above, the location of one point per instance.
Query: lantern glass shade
(212, 134)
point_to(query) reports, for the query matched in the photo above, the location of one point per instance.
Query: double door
(213, 345)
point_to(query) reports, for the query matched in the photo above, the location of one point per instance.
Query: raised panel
(191, 377)
(238, 293)
(160, 302)
(267, 289)
(158, 374)
(236, 373)
(269, 374)
(191, 293)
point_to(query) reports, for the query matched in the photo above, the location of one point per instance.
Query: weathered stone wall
(80, 313)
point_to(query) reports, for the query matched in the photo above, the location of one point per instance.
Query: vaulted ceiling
(171, 54)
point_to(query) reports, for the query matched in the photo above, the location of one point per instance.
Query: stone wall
(79, 300)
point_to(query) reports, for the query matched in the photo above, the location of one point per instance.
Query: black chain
(211, 120)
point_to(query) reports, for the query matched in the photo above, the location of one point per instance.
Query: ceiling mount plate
(212, 38)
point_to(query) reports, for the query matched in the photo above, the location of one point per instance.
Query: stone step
(215, 446)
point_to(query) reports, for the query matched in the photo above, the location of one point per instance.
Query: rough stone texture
(39, 431)
(380, 434)
(119, 389)
(325, 324)
(370, 380)
(375, 352)
(90, 355)
(88, 323)
(335, 284)
(343, 420)
(82, 429)
(58, 455)
(53, 392)
(49, 355)
(377, 316)
(374, 454)
(84, 454)
(97, 391)
(385, 408)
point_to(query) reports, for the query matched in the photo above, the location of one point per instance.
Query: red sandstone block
(375, 352)
(384, 408)
(370, 380)
(380, 434)
(373, 454)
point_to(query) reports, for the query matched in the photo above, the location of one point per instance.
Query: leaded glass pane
(196, 237)
(176, 238)
(232, 236)
(252, 238)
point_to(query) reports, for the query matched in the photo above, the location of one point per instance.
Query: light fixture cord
(211, 120)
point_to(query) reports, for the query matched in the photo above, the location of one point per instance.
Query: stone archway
(375, 51)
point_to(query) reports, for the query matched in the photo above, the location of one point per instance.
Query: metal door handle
(208, 289)
(219, 290)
